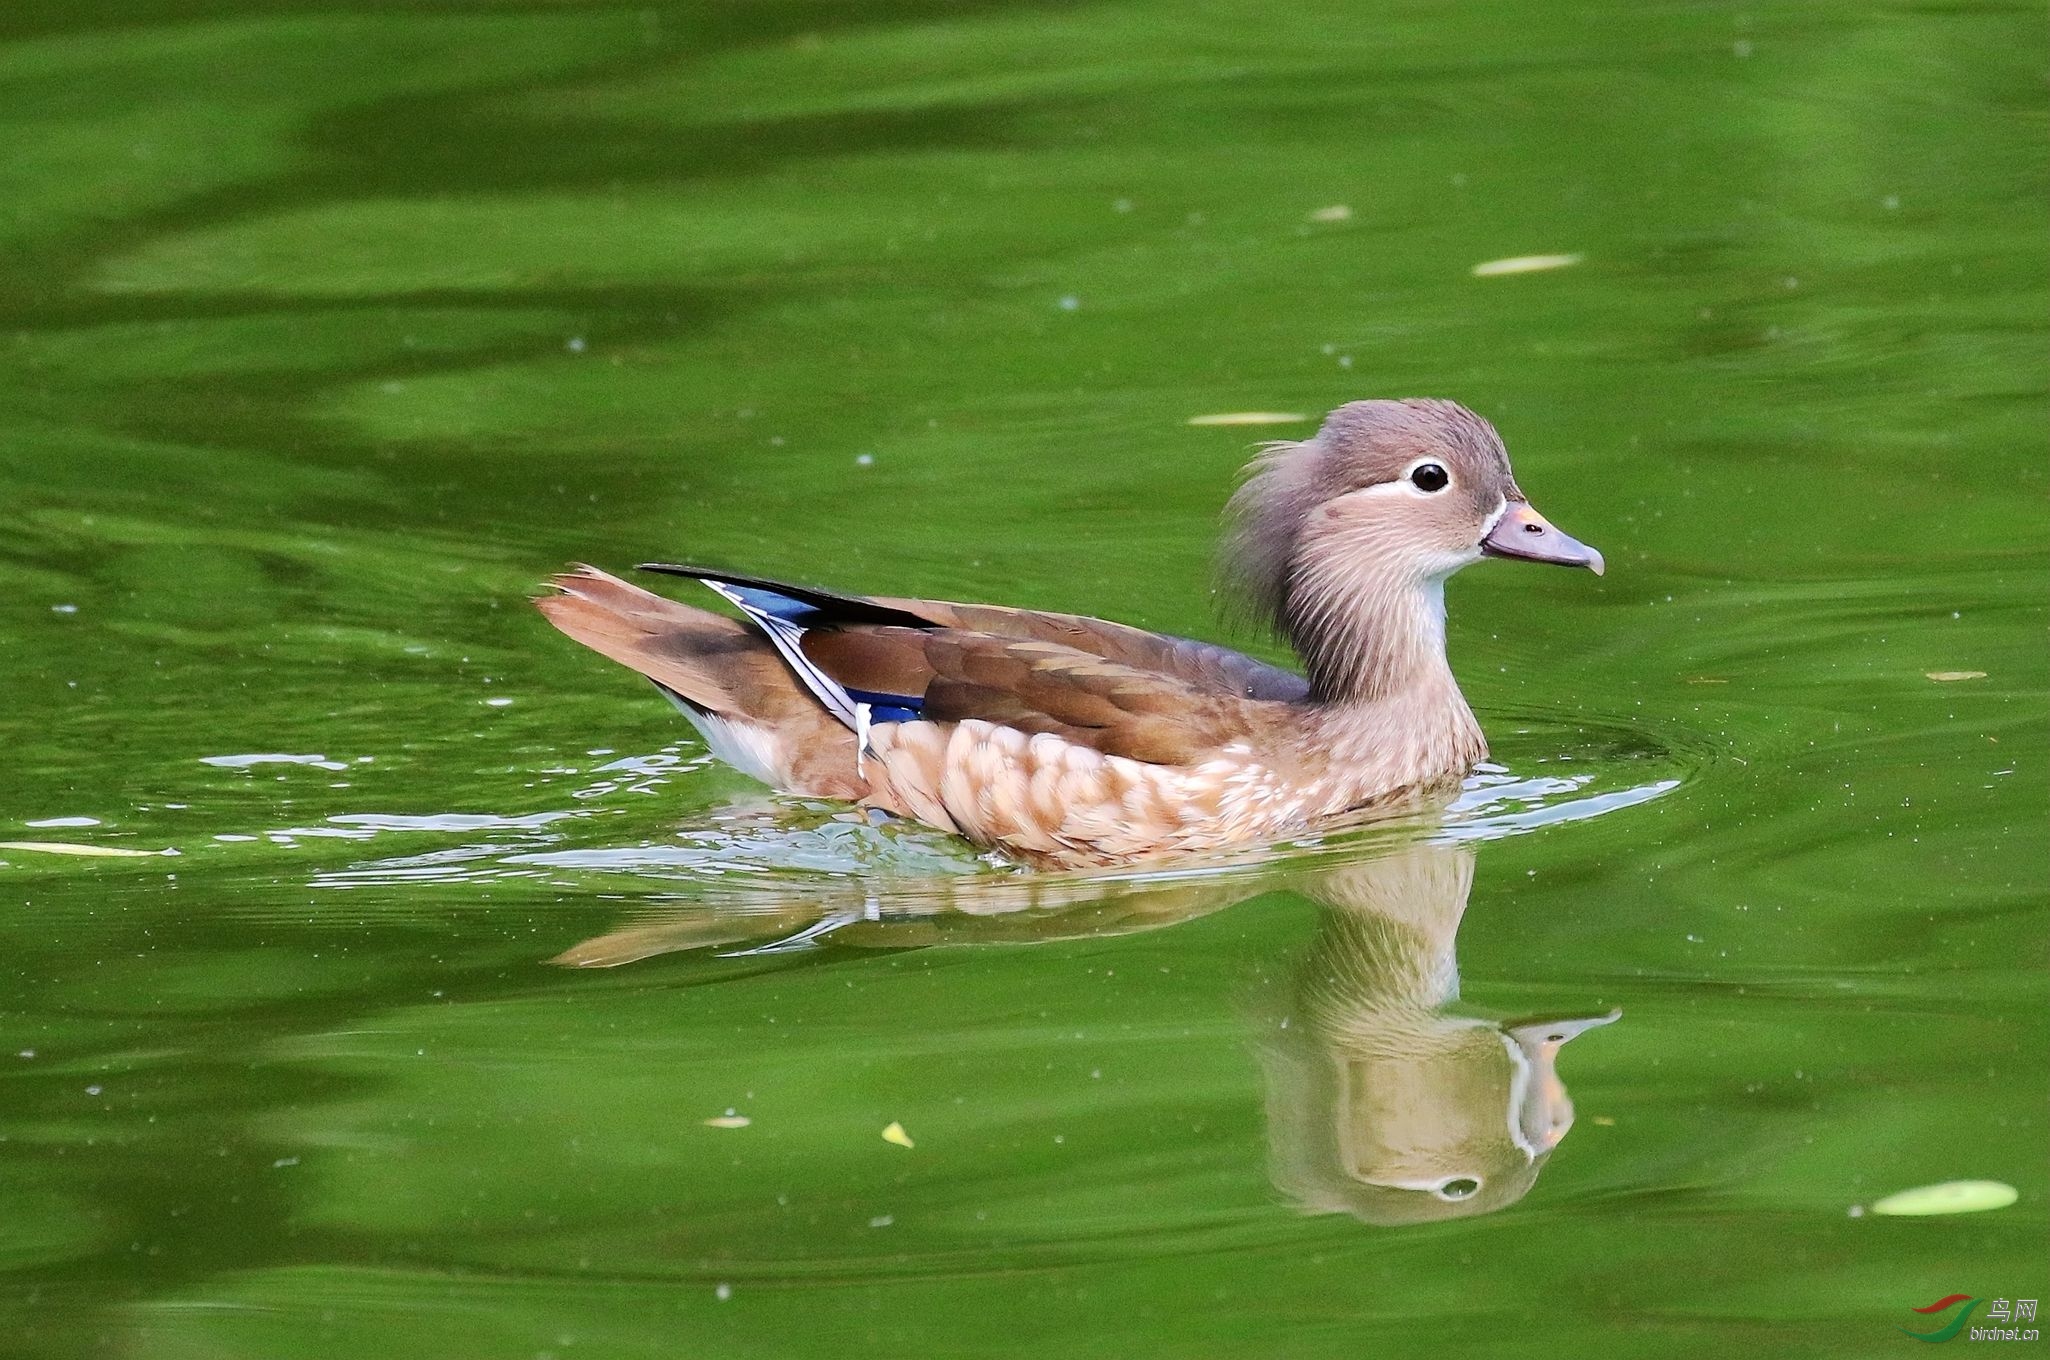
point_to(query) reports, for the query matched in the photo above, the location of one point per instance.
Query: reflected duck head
(1383, 1105)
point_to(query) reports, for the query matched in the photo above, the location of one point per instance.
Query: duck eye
(1429, 477)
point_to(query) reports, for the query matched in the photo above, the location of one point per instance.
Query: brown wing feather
(879, 660)
(1205, 665)
(1116, 689)
(1035, 686)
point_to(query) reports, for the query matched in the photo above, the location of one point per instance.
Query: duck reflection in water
(1381, 1102)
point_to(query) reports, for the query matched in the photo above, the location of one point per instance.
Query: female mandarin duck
(1069, 741)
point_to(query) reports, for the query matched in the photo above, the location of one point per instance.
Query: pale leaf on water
(1249, 418)
(727, 1121)
(1524, 264)
(1337, 212)
(1947, 676)
(895, 1134)
(1948, 1197)
(85, 851)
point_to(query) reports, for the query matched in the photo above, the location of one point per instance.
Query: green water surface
(328, 330)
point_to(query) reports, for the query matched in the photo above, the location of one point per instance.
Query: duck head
(1344, 541)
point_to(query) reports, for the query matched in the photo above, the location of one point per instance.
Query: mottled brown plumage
(1069, 740)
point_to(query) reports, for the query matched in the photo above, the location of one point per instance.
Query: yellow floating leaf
(895, 1134)
(1524, 264)
(1705, 680)
(1249, 418)
(728, 1121)
(1949, 1197)
(1948, 676)
(1337, 212)
(70, 848)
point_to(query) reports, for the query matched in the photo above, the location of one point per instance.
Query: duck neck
(1366, 643)
(1385, 711)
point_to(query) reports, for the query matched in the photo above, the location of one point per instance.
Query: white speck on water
(498, 703)
(1069, 302)
(1892, 203)
(63, 609)
(722, 1291)
(1123, 205)
(63, 821)
(575, 344)
(285, 1161)
(1742, 47)
(864, 460)
(26, 1053)
(94, 1090)
(881, 1221)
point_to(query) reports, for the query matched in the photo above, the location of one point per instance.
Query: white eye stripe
(1403, 486)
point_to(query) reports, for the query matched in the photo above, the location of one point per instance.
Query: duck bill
(1523, 532)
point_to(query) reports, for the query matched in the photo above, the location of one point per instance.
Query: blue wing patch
(889, 708)
(757, 601)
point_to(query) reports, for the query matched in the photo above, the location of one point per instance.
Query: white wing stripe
(783, 635)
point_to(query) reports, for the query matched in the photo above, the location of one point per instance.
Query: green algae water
(384, 975)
